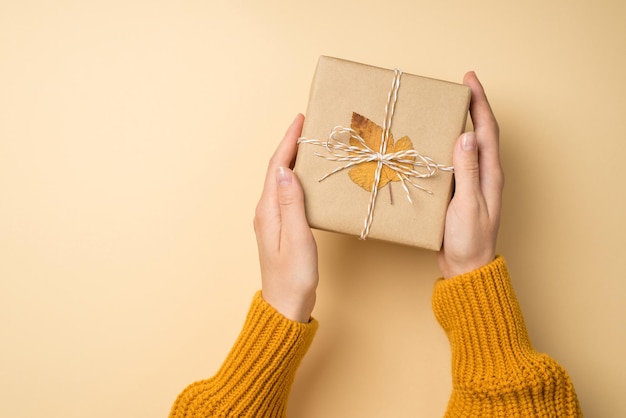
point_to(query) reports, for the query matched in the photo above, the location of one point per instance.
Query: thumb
(465, 161)
(291, 201)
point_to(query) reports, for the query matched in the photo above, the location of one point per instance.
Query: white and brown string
(420, 166)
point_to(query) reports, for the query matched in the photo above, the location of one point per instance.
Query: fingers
(284, 156)
(466, 168)
(487, 137)
(480, 110)
(267, 218)
(291, 201)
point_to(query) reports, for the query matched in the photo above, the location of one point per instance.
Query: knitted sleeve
(256, 377)
(495, 370)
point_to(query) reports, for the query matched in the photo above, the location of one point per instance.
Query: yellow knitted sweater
(255, 379)
(495, 370)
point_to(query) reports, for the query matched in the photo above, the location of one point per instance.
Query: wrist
(294, 308)
(451, 268)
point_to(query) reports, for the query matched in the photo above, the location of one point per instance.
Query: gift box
(375, 154)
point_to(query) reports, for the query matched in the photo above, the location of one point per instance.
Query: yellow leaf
(363, 174)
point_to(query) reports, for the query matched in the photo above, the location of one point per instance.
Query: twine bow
(406, 164)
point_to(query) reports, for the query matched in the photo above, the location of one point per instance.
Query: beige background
(133, 142)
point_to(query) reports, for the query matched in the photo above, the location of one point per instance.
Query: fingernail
(284, 176)
(468, 142)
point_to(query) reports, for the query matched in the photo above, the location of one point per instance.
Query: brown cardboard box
(430, 112)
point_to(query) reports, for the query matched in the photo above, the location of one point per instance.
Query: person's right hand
(473, 216)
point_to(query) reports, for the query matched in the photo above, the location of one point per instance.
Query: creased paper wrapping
(432, 113)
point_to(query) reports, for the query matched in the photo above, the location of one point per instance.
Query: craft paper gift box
(423, 115)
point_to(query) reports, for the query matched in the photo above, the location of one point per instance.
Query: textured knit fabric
(256, 377)
(495, 370)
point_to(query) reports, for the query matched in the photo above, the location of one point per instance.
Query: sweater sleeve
(495, 370)
(255, 378)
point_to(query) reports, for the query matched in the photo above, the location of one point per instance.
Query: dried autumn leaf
(363, 174)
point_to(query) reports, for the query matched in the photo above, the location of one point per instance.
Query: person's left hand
(287, 249)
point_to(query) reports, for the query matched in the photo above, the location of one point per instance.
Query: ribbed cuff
(481, 315)
(495, 370)
(256, 377)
